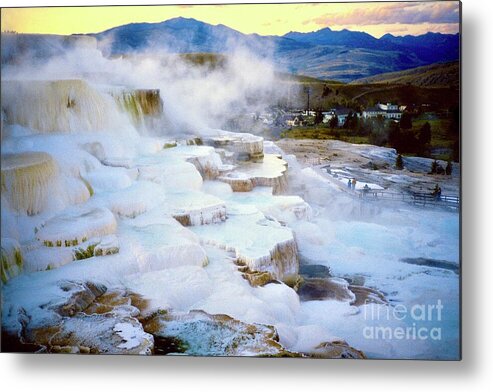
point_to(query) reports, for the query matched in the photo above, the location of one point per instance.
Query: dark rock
(203, 334)
(336, 350)
(357, 280)
(258, 278)
(90, 319)
(82, 295)
(443, 264)
(314, 271)
(313, 289)
(365, 295)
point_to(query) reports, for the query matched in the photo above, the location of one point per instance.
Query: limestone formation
(256, 278)
(205, 159)
(87, 320)
(109, 245)
(139, 104)
(38, 257)
(245, 146)
(57, 106)
(11, 257)
(149, 206)
(27, 180)
(261, 244)
(199, 333)
(105, 246)
(271, 172)
(161, 243)
(196, 208)
(76, 226)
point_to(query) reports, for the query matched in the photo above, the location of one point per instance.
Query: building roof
(375, 109)
(292, 117)
(341, 111)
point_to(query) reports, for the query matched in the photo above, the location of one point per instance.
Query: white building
(295, 121)
(309, 113)
(341, 113)
(388, 107)
(389, 111)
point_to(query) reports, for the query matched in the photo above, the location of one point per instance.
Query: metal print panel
(270, 180)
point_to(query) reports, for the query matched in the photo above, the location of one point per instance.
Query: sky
(375, 18)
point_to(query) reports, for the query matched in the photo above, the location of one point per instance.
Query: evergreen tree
(326, 91)
(334, 121)
(456, 150)
(399, 163)
(378, 134)
(364, 127)
(454, 127)
(448, 169)
(406, 121)
(352, 121)
(434, 167)
(454, 132)
(424, 135)
(319, 117)
(395, 137)
(347, 122)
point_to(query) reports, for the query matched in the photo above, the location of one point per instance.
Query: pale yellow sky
(265, 19)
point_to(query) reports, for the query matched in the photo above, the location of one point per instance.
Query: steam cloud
(195, 97)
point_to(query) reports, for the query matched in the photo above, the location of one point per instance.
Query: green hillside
(358, 96)
(433, 76)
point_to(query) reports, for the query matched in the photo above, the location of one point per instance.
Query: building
(309, 113)
(389, 111)
(295, 121)
(341, 113)
(388, 107)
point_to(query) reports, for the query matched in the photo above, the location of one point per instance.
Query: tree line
(400, 135)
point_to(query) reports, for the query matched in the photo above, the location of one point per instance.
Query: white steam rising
(195, 97)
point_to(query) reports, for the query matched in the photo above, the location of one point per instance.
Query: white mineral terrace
(143, 200)
(27, 180)
(89, 197)
(271, 171)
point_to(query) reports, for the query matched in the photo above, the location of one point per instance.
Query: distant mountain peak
(180, 20)
(318, 53)
(387, 36)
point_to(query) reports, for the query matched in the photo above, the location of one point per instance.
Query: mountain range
(326, 54)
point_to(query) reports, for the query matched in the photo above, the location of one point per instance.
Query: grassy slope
(359, 96)
(287, 77)
(435, 75)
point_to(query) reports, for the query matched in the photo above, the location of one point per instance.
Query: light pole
(307, 90)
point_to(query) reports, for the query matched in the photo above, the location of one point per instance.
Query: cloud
(394, 13)
(402, 29)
